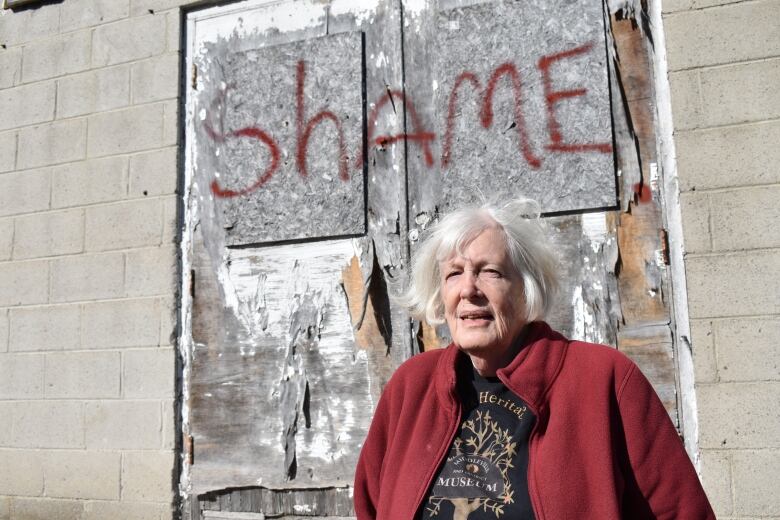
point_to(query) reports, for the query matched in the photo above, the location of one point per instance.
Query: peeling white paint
(363, 10)
(581, 317)
(381, 60)
(673, 217)
(256, 17)
(594, 225)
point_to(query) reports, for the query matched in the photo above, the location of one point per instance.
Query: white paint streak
(580, 316)
(256, 17)
(594, 225)
(671, 199)
(362, 10)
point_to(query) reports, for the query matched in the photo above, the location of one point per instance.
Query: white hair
(525, 242)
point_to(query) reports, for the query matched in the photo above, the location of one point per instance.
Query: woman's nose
(469, 287)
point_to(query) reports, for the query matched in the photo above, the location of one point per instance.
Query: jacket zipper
(531, 438)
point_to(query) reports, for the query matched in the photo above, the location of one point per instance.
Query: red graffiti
(304, 133)
(451, 106)
(554, 96)
(254, 133)
(419, 135)
(642, 193)
(487, 109)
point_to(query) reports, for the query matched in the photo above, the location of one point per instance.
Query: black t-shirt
(485, 474)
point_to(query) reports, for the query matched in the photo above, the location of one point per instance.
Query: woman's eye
(491, 273)
(451, 274)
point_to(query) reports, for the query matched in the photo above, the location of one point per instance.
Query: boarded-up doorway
(322, 138)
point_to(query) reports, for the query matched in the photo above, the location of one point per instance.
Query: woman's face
(483, 296)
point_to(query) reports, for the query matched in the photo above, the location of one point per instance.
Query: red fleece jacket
(603, 446)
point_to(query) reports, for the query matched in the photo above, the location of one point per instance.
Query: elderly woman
(512, 420)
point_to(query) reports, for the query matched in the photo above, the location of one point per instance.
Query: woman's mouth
(475, 317)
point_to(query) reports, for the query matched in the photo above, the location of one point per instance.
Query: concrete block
(695, 209)
(63, 54)
(7, 412)
(93, 91)
(154, 173)
(128, 40)
(745, 218)
(152, 272)
(7, 151)
(156, 79)
(740, 93)
(747, 349)
(138, 7)
(123, 425)
(737, 415)
(82, 474)
(89, 182)
(716, 479)
(148, 373)
(730, 156)
(716, 36)
(126, 511)
(24, 283)
(22, 472)
(48, 424)
(756, 474)
(171, 123)
(49, 234)
(46, 509)
(30, 24)
(170, 220)
(169, 421)
(21, 376)
(123, 323)
(82, 375)
(174, 30)
(87, 277)
(11, 65)
(704, 364)
(77, 14)
(6, 238)
(122, 225)
(3, 331)
(27, 105)
(168, 325)
(24, 192)
(126, 131)
(147, 476)
(741, 284)
(52, 327)
(55, 143)
(686, 99)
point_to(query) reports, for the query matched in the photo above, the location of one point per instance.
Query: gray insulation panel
(551, 137)
(294, 92)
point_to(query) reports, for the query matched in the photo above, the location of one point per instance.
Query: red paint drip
(642, 193)
(451, 106)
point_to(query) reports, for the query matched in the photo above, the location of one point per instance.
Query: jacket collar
(529, 375)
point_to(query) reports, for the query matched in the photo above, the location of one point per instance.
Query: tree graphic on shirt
(482, 436)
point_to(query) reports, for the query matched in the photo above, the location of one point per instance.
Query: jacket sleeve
(662, 483)
(369, 466)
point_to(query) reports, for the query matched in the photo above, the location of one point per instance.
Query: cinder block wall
(88, 131)
(87, 260)
(724, 62)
